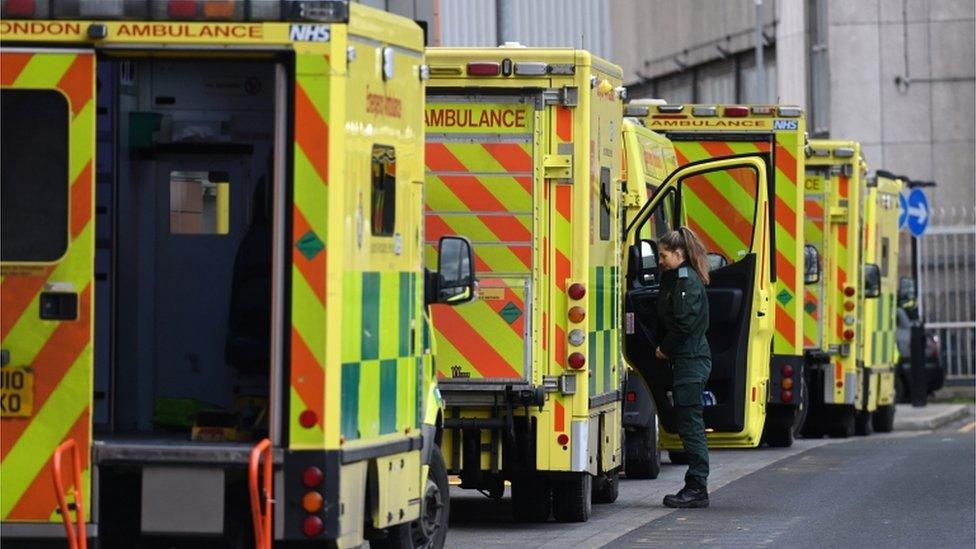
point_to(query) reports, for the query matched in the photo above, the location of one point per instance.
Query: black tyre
(841, 423)
(862, 424)
(572, 498)
(531, 499)
(778, 432)
(883, 419)
(678, 457)
(812, 427)
(430, 530)
(643, 455)
(606, 487)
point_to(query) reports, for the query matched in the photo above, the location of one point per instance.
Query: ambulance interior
(184, 206)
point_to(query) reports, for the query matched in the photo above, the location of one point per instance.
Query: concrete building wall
(902, 83)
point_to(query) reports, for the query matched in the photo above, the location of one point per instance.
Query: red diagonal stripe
(559, 417)
(785, 325)
(564, 123)
(559, 346)
(785, 271)
(563, 269)
(478, 352)
(440, 159)
(786, 163)
(472, 193)
(81, 200)
(12, 65)
(706, 239)
(844, 181)
(77, 82)
(499, 304)
(813, 208)
(785, 216)
(312, 269)
(435, 227)
(726, 212)
(311, 133)
(39, 501)
(307, 376)
(51, 364)
(16, 294)
(564, 196)
(511, 156)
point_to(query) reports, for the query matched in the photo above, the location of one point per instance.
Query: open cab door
(730, 195)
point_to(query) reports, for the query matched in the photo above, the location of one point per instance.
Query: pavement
(931, 416)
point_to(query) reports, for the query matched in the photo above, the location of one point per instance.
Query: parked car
(934, 370)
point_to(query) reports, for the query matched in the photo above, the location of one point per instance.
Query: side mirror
(811, 264)
(455, 271)
(644, 260)
(872, 280)
(716, 261)
(907, 290)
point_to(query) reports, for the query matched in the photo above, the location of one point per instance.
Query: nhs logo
(309, 33)
(785, 125)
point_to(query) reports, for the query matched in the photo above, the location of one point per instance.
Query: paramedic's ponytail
(687, 241)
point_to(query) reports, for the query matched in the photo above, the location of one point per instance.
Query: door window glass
(33, 175)
(720, 206)
(659, 222)
(199, 202)
(383, 200)
(604, 203)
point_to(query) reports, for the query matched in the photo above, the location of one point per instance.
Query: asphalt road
(896, 490)
(871, 492)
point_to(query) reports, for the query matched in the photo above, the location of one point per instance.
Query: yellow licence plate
(16, 391)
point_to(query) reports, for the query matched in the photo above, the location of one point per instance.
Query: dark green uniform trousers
(690, 423)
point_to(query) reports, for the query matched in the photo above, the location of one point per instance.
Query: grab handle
(260, 502)
(77, 538)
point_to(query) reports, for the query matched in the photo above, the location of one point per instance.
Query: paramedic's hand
(659, 354)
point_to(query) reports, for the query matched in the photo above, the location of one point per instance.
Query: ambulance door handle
(58, 306)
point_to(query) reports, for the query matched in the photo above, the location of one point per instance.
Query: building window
(34, 178)
(383, 199)
(819, 78)
(729, 80)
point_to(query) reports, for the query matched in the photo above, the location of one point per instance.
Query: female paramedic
(682, 311)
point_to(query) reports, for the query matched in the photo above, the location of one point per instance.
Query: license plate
(16, 391)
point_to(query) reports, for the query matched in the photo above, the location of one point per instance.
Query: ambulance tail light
(577, 314)
(19, 8)
(848, 334)
(702, 110)
(631, 396)
(562, 439)
(787, 383)
(786, 396)
(736, 111)
(786, 370)
(849, 291)
(670, 109)
(484, 68)
(577, 361)
(576, 291)
(312, 526)
(312, 477)
(790, 111)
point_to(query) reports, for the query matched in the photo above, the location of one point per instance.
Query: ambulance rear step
(160, 450)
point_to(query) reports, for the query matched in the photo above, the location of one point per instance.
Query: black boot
(689, 497)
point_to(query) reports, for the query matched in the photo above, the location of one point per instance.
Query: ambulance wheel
(430, 529)
(606, 487)
(812, 427)
(778, 432)
(862, 424)
(841, 423)
(678, 457)
(883, 419)
(531, 499)
(572, 498)
(647, 464)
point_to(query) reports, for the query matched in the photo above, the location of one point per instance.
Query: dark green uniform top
(682, 311)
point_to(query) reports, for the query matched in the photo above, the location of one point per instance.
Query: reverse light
(577, 361)
(312, 526)
(484, 68)
(848, 334)
(736, 111)
(576, 291)
(562, 439)
(577, 314)
(308, 419)
(787, 383)
(312, 477)
(849, 320)
(786, 370)
(786, 396)
(849, 291)
(704, 111)
(576, 337)
(312, 502)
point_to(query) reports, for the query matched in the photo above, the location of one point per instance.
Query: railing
(260, 492)
(77, 536)
(947, 280)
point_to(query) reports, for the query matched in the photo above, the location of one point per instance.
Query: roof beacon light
(763, 109)
(533, 68)
(18, 8)
(484, 68)
(183, 9)
(670, 109)
(844, 152)
(219, 9)
(702, 110)
(637, 111)
(791, 111)
(736, 111)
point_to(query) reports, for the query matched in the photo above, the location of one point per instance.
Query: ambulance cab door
(47, 263)
(725, 202)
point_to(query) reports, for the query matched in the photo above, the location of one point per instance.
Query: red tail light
(849, 306)
(484, 68)
(576, 291)
(577, 314)
(631, 396)
(563, 439)
(312, 526)
(312, 477)
(308, 419)
(577, 361)
(19, 8)
(786, 370)
(848, 334)
(182, 8)
(786, 396)
(849, 291)
(737, 111)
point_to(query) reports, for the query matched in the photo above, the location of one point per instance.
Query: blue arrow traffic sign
(918, 212)
(902, 210)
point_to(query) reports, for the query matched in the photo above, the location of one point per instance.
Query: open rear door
(731, 196)
(46, 293)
